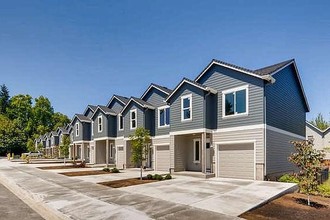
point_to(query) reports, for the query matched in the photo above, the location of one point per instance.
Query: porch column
(107, 152)
(203, 146)
(82, 151)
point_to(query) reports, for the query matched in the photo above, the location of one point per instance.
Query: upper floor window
(163, 116)
(77, 129)
(120, 122)
(186, 107)
(133, 116)
(99, 124)
(235, 101)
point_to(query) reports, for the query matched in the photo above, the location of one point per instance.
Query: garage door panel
(236, 161)
(163, 158)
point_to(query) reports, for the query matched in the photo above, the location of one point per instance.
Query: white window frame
(77, 129)
(99, 123)
(190, 107)
(234, 90)
(130, 118)
(199, 150)
(92, 128)
(163, 108)
(120, 129)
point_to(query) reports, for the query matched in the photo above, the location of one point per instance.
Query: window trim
(120, 116)
(130, 118)
(199, 150)
(158, 110)
(77, 129)
(98, 124)
(92, 128)
(190, 107)
(234, 90)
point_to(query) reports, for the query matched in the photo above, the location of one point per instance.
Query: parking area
(180, 197)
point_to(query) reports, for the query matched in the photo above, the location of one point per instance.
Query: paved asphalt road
(12, 208)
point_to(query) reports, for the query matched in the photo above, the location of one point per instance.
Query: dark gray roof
(106, 110)
(93, 107)
(258, 72)
(82, 118)
(273, 68)
(122, 98)
(165, 89)
(53, 133)
(141, 102)
(63, 130)
(194, 83)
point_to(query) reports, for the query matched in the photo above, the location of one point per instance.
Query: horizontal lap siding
(285, 103)
(159, 141)
(197, 109)
(140, 118)
(319, 141)
(104, 132)
(278, 150)
(221, 78)
(156, 98)
(244, 135)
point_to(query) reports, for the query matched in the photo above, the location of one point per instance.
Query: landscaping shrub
(157, 177)
(106, 169)
(149, 176)
(168, 177)
(287, 178)
(324, 189)
(115, 170)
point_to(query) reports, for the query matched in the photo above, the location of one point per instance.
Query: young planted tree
(140, 143)
(309, 161)
(64, 146)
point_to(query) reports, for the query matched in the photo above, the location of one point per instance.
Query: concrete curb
(38, 206)
(290, 190)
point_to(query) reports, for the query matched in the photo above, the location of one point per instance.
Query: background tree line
(23, 119)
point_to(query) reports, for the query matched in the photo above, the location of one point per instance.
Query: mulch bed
(292, 206)
(127, 182)
(60, 167)
(85, 173)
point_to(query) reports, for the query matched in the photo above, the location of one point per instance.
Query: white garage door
(120, 161)
(236, 161)
(163, 158)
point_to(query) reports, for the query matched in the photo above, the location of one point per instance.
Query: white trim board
(200, 130)
(104, 138)
(271, 128)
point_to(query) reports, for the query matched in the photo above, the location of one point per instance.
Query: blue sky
(82, 52)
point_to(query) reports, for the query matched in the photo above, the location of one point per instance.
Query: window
(196, 150)
(111, 149)
(120, 122)
(92, 128)
(77, 130)
(133, 116)
(164, 116)
(186, 107)
(99, 124)
(235, 101)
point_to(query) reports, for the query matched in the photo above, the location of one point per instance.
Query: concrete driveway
(56, 196)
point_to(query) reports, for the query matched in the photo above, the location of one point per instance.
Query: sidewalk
(55, 196)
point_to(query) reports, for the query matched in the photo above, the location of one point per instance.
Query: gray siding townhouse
(145, 112)
(81, 134)
(103, 132)
(48, 144)
(54, 144)
(321, 138)
(61, 132)
(37, 142)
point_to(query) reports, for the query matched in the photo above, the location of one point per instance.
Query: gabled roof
(140, 102)
(63, 130)
(91, 107)
(81, 118)
(105, 110)
(264, 73)
(121, 99)
(163, 89)
(316, 128)
(193, 83)
(53, 133)
(273, 68)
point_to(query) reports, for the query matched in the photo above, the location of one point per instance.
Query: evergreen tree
(320, 122)
(4, 99)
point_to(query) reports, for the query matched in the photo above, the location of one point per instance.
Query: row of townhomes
(227, 122)
(321, 138)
